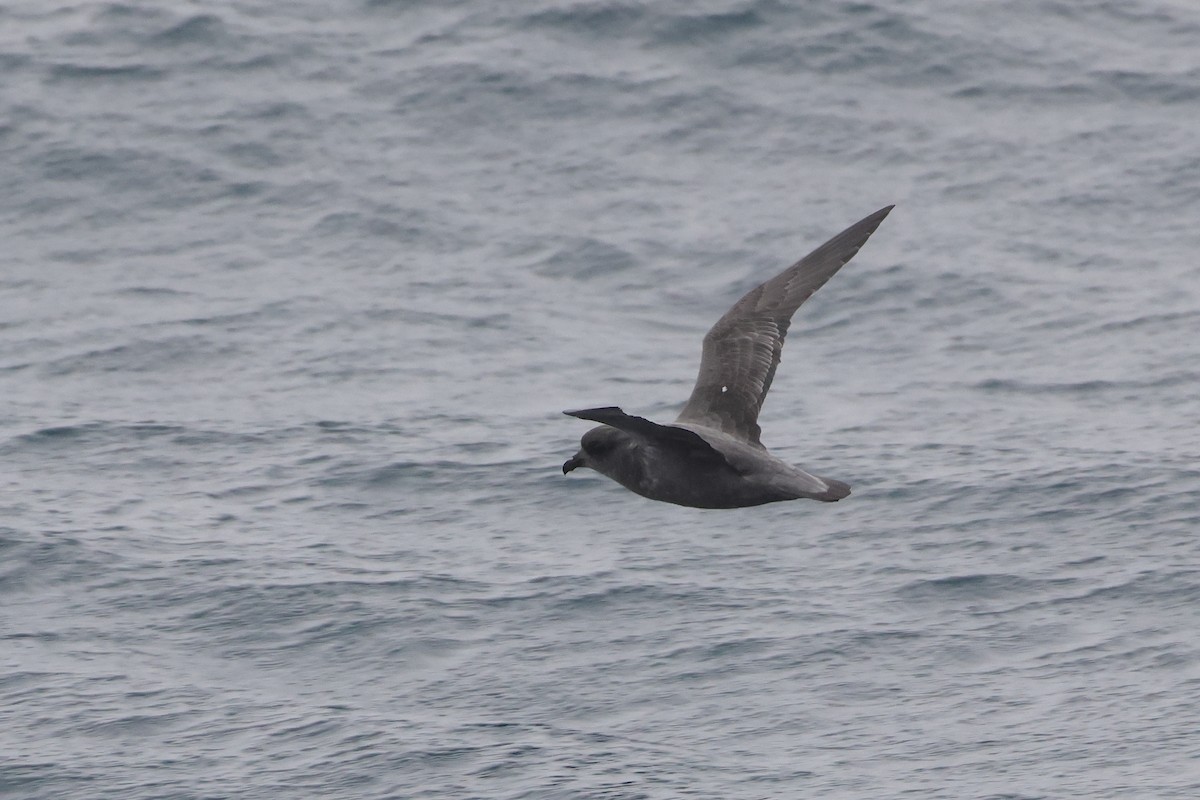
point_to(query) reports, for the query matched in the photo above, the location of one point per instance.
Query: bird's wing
(742, 350)
(666, 436)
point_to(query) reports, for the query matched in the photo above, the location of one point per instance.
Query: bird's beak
(571, 463)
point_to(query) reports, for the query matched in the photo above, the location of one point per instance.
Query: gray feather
(742, 351)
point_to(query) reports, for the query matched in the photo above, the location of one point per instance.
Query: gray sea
(292, 296)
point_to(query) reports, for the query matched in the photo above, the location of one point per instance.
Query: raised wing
(742, 350)
(667, 436)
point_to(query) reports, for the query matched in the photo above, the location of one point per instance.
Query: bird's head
(600, 448)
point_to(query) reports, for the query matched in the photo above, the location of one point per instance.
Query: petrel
(711, 456)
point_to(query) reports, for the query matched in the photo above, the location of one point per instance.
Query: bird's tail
(814, 487)
(836, 491)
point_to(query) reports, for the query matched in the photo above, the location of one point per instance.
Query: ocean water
(292, 295)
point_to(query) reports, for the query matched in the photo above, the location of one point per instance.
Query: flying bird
(711, 456)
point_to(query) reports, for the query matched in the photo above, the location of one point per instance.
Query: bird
(711, 456)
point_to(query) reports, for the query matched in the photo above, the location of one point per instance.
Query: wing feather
(741, 352)
(667, 436)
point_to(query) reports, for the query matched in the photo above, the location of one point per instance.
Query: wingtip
(589, 413)
(868, 225)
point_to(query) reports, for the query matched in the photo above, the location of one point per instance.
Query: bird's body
(711, 457)
(745, 476)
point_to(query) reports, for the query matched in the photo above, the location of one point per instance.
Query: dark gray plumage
(711, 457)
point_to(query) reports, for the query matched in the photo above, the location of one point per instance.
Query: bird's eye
(595, 448)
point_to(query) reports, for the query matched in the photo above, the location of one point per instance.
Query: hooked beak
(571, 463)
